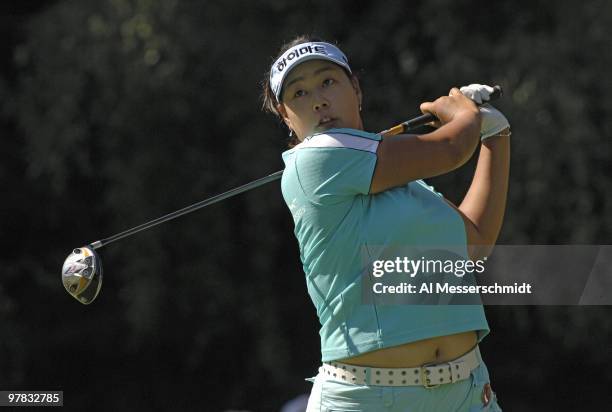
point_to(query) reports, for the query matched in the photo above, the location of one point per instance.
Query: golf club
(82, 270)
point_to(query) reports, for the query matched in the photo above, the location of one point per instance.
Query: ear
(357, 88)
(280, 108)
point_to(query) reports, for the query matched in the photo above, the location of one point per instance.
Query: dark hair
(269, 101)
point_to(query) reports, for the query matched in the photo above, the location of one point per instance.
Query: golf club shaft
(217, 198)
(400, 128)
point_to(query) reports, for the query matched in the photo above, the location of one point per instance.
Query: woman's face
(317, 96)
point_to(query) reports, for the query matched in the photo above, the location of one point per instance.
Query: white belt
(428, 375)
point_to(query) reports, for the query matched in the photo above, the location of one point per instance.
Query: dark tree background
(114, 112)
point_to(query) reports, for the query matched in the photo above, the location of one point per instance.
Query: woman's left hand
(493, 121)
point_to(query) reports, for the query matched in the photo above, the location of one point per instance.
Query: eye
(299, 93)
(328, 82)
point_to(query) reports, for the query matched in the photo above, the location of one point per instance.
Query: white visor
(299, 54)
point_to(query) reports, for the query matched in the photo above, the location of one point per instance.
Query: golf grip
(428, 117)
(400, 128)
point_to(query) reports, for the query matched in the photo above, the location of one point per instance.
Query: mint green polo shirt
(326, 185)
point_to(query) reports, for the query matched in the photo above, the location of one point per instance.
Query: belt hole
(404, 381)
(416, 381)
(391, 382)
(377, 381)
(378, 372)
(390, 372)
(403, 372)
(416, 371)
(441, 379)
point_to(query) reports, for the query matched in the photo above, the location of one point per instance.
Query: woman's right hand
(447, 108)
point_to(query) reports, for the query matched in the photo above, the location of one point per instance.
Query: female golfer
(351, 192)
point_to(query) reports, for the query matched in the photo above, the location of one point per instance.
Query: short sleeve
(430, 188)
(332, 167)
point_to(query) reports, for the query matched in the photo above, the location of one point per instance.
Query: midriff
(433, 350)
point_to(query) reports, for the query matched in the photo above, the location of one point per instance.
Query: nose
(319, 102)
(320, 105)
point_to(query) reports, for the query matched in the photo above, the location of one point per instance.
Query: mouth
(326, 121)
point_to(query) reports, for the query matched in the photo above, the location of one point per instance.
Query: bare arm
(484, 205)
(404, 158)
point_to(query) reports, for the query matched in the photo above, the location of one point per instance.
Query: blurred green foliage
(123, 110)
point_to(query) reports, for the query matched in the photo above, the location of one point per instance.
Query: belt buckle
(424, 378)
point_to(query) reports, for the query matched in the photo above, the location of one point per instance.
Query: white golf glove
(493, 121)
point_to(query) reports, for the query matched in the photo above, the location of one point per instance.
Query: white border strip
(340, 140)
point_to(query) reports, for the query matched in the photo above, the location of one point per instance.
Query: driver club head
(82, 274)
